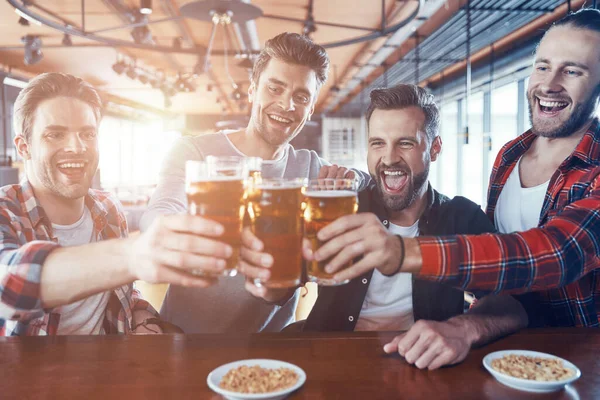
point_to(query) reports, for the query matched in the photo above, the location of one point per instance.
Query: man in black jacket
(403, 124)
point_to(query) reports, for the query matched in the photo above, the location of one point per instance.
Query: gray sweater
(226, 306)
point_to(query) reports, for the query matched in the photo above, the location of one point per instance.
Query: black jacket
(337, 307)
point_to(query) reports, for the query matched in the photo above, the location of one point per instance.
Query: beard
(582, 114)
(50, 177)
(411, 193)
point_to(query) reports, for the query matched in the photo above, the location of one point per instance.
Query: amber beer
(326, 201)
(276, 219)
(215, 190)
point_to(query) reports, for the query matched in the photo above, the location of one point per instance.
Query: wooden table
(339, 366)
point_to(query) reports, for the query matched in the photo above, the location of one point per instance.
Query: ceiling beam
(506, 42)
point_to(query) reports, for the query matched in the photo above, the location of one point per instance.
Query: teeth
(551, 104)
(280, 119)
(71, 165)
(393, 173)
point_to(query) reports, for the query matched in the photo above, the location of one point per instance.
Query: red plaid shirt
(26, 239)
(559, 259)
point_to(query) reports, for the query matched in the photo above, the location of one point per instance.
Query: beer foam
(222, 178)
(330, 193)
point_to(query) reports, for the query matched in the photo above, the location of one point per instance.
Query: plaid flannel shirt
(559, 259)
(26, 239)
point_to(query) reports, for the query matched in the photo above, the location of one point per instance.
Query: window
(472, 153)
(131, 153)
(504, 110)
(446, 164)
(526, 108)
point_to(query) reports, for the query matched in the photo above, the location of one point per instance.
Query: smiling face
(61, 155)
(564, 85)
(399, 155)
(282, 101)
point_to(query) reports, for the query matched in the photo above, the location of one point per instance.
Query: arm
(41, 275)
(554, 255)
(551, 256)
(169, 196)
(430, 344)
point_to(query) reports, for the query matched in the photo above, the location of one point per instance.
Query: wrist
(467, 328)
(413, 259)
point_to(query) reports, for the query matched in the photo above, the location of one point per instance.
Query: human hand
(352, 236)
(431, 344)
(179, 249)
(335, 172)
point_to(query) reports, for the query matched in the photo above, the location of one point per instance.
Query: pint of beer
(326, 201)
(276, 219)
(215, 190)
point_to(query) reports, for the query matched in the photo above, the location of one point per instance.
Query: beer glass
(215, 190)
(276, 219)
(326, 201)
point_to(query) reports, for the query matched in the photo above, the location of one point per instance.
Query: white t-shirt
(519, 208)
(84, 317)
(388, 304)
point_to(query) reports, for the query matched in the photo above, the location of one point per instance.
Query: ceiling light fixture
(14, 82)
(26, 17)
(66, 41)
(146, 7)
(23, 21)
(33, 49)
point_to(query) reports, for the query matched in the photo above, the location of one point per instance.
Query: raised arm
(169, 196)
(554, 255)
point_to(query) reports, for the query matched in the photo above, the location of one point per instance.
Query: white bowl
(527, 384)
(214, 378)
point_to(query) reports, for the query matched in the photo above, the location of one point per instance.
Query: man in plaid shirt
(551, 242)
(66, 264)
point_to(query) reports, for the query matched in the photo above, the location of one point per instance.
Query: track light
(66, 41)
(33, 49)
(141, 34)
(177, 43)
(131, 72)
(119, 67)
(146, 7)
(23, 21)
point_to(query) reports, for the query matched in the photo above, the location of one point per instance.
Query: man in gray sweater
(284, 88)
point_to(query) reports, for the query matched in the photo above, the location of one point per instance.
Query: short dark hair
(403, 96)
(587, 18)
(47, 86)
(295, 49)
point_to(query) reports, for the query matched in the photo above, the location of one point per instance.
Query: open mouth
(552, 107)
(279, 120)
(393, 180)
(72, 169)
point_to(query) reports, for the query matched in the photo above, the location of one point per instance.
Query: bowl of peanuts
(257, 379)
(531, 371)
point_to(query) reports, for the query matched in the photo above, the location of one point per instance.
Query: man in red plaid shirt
(551, 243)
(66, 264)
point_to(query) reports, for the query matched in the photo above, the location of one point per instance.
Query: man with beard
(544, 196)
(67, 265)
(286, 79)
(403, 140)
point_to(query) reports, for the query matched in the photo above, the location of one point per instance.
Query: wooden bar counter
(338, 366)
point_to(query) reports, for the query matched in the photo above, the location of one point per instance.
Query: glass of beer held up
(326, 201)
(215, 190)
(276, 219)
